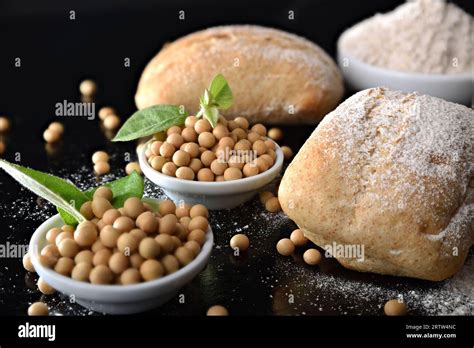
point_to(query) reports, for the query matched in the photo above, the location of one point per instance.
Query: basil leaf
(60, 192)
(221, 92)
(200, 112)
(123, 188)
(211, 113)
(151, 120)
(206, 98)
(67, 218)
(152, 203)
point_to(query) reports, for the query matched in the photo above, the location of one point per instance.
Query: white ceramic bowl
(117, 299)
(458, 88)
(214, 195)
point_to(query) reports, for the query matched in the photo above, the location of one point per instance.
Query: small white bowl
(458, 88)
(214, 195)
(117, 299)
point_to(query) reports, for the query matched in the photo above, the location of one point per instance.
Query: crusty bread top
(426, 145)
(248, 39)
(275, 70)
(392, 171)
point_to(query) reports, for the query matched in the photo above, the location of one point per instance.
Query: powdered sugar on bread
(292, 48)
(423, 139)
(392, 171)
(276, 77)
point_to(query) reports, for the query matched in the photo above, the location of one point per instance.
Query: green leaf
(151, 120)
(211, 113)
(221, 93)
(218, 96)
(60, 192)
(206, 98)
(123, 188)
(152, 202)
(67, 218)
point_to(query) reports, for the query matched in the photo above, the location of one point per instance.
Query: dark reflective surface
(257, 282)
(56, 54)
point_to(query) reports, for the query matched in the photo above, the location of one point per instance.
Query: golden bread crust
(392, 172)
(276, 77)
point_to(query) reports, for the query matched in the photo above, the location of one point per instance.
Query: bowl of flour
(422, 45)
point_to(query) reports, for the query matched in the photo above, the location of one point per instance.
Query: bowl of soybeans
(220, 167)
(126, 260)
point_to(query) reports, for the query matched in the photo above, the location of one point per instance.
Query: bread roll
(391, 172)
(276, 77)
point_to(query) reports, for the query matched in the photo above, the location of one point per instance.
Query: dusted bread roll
(276, 77)
(392, 174)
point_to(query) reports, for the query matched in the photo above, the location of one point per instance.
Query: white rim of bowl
(117, 288)
(193, 186)
(402, 74)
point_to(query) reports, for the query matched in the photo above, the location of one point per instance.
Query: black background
(57, 53)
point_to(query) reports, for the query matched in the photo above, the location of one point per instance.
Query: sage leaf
(221, 93)
(129, 186)
(151, 120)
(59, 192)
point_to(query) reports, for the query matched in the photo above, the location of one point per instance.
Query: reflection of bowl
(214, 195)
(457, 88)
(117, 299)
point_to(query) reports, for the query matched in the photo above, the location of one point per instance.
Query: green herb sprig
(67, 198)
(217, 97)
(159, 118)
(151, 120)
